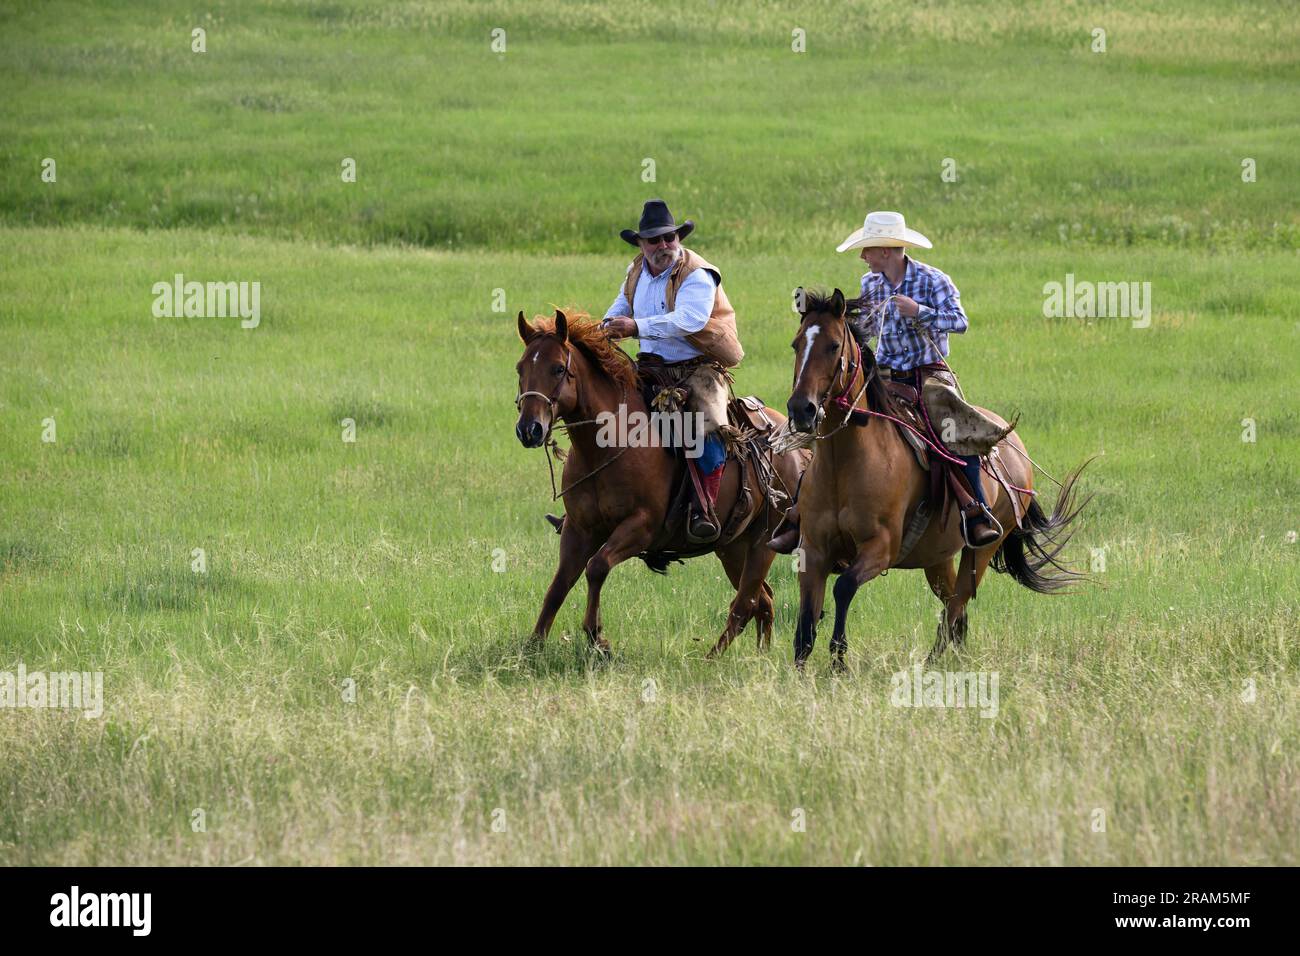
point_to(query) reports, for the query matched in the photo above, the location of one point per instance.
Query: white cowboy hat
(884, 229)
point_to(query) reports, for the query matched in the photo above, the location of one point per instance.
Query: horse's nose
(530, 433)
(802, 411)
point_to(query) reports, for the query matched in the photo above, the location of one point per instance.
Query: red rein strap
(842, 401)
(857, 415)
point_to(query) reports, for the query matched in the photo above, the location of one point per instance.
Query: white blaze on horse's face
(808, 337)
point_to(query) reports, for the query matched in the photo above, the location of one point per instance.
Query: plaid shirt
(900, 346)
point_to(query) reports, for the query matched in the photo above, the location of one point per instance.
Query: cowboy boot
(976, 516)
(786, 538)
(980, 532)
(704, 522)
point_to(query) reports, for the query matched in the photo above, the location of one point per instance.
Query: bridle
(550, 399)
(549, 443)
(848, 368)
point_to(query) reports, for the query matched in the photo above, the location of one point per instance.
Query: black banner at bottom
(1220, 906)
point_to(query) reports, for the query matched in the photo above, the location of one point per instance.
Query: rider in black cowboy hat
(672, 301)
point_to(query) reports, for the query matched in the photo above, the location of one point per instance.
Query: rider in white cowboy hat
(912, 307)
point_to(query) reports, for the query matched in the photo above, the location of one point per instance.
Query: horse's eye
(557, 369)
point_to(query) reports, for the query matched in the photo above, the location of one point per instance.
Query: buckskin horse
(620, 502)
(865, 484)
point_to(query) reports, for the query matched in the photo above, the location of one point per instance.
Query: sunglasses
(664, 239)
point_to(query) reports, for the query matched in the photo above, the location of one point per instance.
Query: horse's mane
(595, 343)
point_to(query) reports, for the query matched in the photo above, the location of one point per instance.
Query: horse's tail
(1035, 545)
(658, 561)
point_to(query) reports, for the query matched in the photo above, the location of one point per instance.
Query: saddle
(747, 445)
(661, 382)
(972, 433)
(908, 405)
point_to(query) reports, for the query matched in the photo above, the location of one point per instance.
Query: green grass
(373, 561)
(542, 147)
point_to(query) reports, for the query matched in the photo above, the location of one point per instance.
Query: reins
(841, 400)
(858, 414)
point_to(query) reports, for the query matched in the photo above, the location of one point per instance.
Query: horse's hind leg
(765, 617)
(732, 558)
(943, 582)
(959, 587)
(754, 558)
(969, 576)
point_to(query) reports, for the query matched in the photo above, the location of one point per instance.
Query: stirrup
(992, 522)
(784, 541)
(707, 538)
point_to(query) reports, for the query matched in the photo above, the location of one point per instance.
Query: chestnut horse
(617, 499)
(865, 483)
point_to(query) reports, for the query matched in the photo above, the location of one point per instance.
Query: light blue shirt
(661, 332)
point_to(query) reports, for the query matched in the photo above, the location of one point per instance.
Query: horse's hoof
(959, 632)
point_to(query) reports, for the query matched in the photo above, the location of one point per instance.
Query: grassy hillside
(371, 562)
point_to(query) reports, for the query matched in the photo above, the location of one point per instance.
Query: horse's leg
(757, 558)
(812, 595)
(969, 575)
(732, 558)
(943, 582)
(631, 537)
(576, 547)
(764, 616)
(871, 559)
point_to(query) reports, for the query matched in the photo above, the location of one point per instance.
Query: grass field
(344, 683)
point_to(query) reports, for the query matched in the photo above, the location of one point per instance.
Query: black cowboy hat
(655, 221)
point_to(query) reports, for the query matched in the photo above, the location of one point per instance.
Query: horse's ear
(526, 331)
(800, 302)
(837, 304)
(561, 326)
